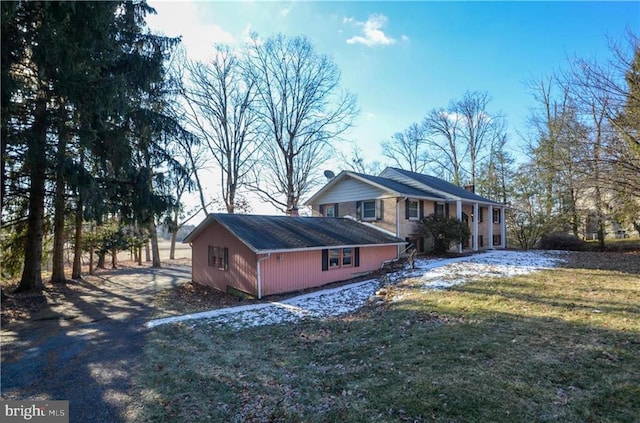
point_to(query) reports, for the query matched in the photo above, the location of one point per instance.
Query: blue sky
(402, 59)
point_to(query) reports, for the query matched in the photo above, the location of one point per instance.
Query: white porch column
(503, 229)
(474, 241)
(490, 226)
(459, 217)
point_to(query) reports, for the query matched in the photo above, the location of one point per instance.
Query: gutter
(259, 276)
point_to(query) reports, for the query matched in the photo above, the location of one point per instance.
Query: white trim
(459, 217)
(503, 229)
(474, 239)
(259, 275)
(490, 227)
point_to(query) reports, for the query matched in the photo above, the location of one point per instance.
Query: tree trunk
(57, 273)
(91, 249)
(31, 279)
(174, 236)
(101, 260)
(77, 251)
(154, 245)
(147, 252)
(114, 259)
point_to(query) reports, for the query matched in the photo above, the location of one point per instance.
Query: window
(496, 216)
(480, 217)
(336, 258)
(330, 211)
(218, 257)
(346, 257)
(412, 209)
(440, 209)
(481, 240)
(497, 240)
(369, 210)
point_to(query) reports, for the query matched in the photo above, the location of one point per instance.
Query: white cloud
(197, 37)
(286, 10)
(372, 31)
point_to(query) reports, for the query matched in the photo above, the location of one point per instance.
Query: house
(397, 199)
(266, 255)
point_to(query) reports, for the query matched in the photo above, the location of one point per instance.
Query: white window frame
(338, 258)
(330, 210)
(374, 210)
(347, 253)
(496, 216)
(417, 209)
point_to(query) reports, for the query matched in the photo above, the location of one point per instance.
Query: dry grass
(559, 345)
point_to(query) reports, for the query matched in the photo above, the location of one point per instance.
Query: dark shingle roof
(442, 185)
(399, 187)
(273, 233)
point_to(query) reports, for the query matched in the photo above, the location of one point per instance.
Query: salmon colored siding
(280, 272)
(241, 273)
(287, 272)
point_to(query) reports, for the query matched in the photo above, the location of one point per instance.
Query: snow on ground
(431, 274)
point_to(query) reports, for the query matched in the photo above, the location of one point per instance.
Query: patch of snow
(495, 264)
(431, 274)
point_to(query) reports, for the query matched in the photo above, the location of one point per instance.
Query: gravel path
(85, 353)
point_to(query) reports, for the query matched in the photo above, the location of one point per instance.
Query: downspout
(398, 222)
(259, 276)
(459, 217)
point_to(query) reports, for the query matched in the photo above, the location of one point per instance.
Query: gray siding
(350, 190)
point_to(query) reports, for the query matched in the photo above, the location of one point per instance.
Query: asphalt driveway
(85, 351)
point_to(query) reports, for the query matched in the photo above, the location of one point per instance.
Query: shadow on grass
(83, 346)
(432, 357)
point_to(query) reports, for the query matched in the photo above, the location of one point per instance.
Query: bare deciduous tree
(479, 130)
(443, 128)
(220, 110)
(407, 149)
(357, 163)
(302, 112)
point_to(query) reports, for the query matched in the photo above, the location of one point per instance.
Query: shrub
(561, 241)
(445, 231)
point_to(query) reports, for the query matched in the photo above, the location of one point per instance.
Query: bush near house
(444, 230)
(561, 241)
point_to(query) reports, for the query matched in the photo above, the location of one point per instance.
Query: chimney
(293, 212)
(470, 188)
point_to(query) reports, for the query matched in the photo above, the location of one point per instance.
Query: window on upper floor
(413, 210)
(496, 216)
(330, 211)
(369, 210)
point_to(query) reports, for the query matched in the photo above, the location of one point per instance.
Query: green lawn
(561, 345)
